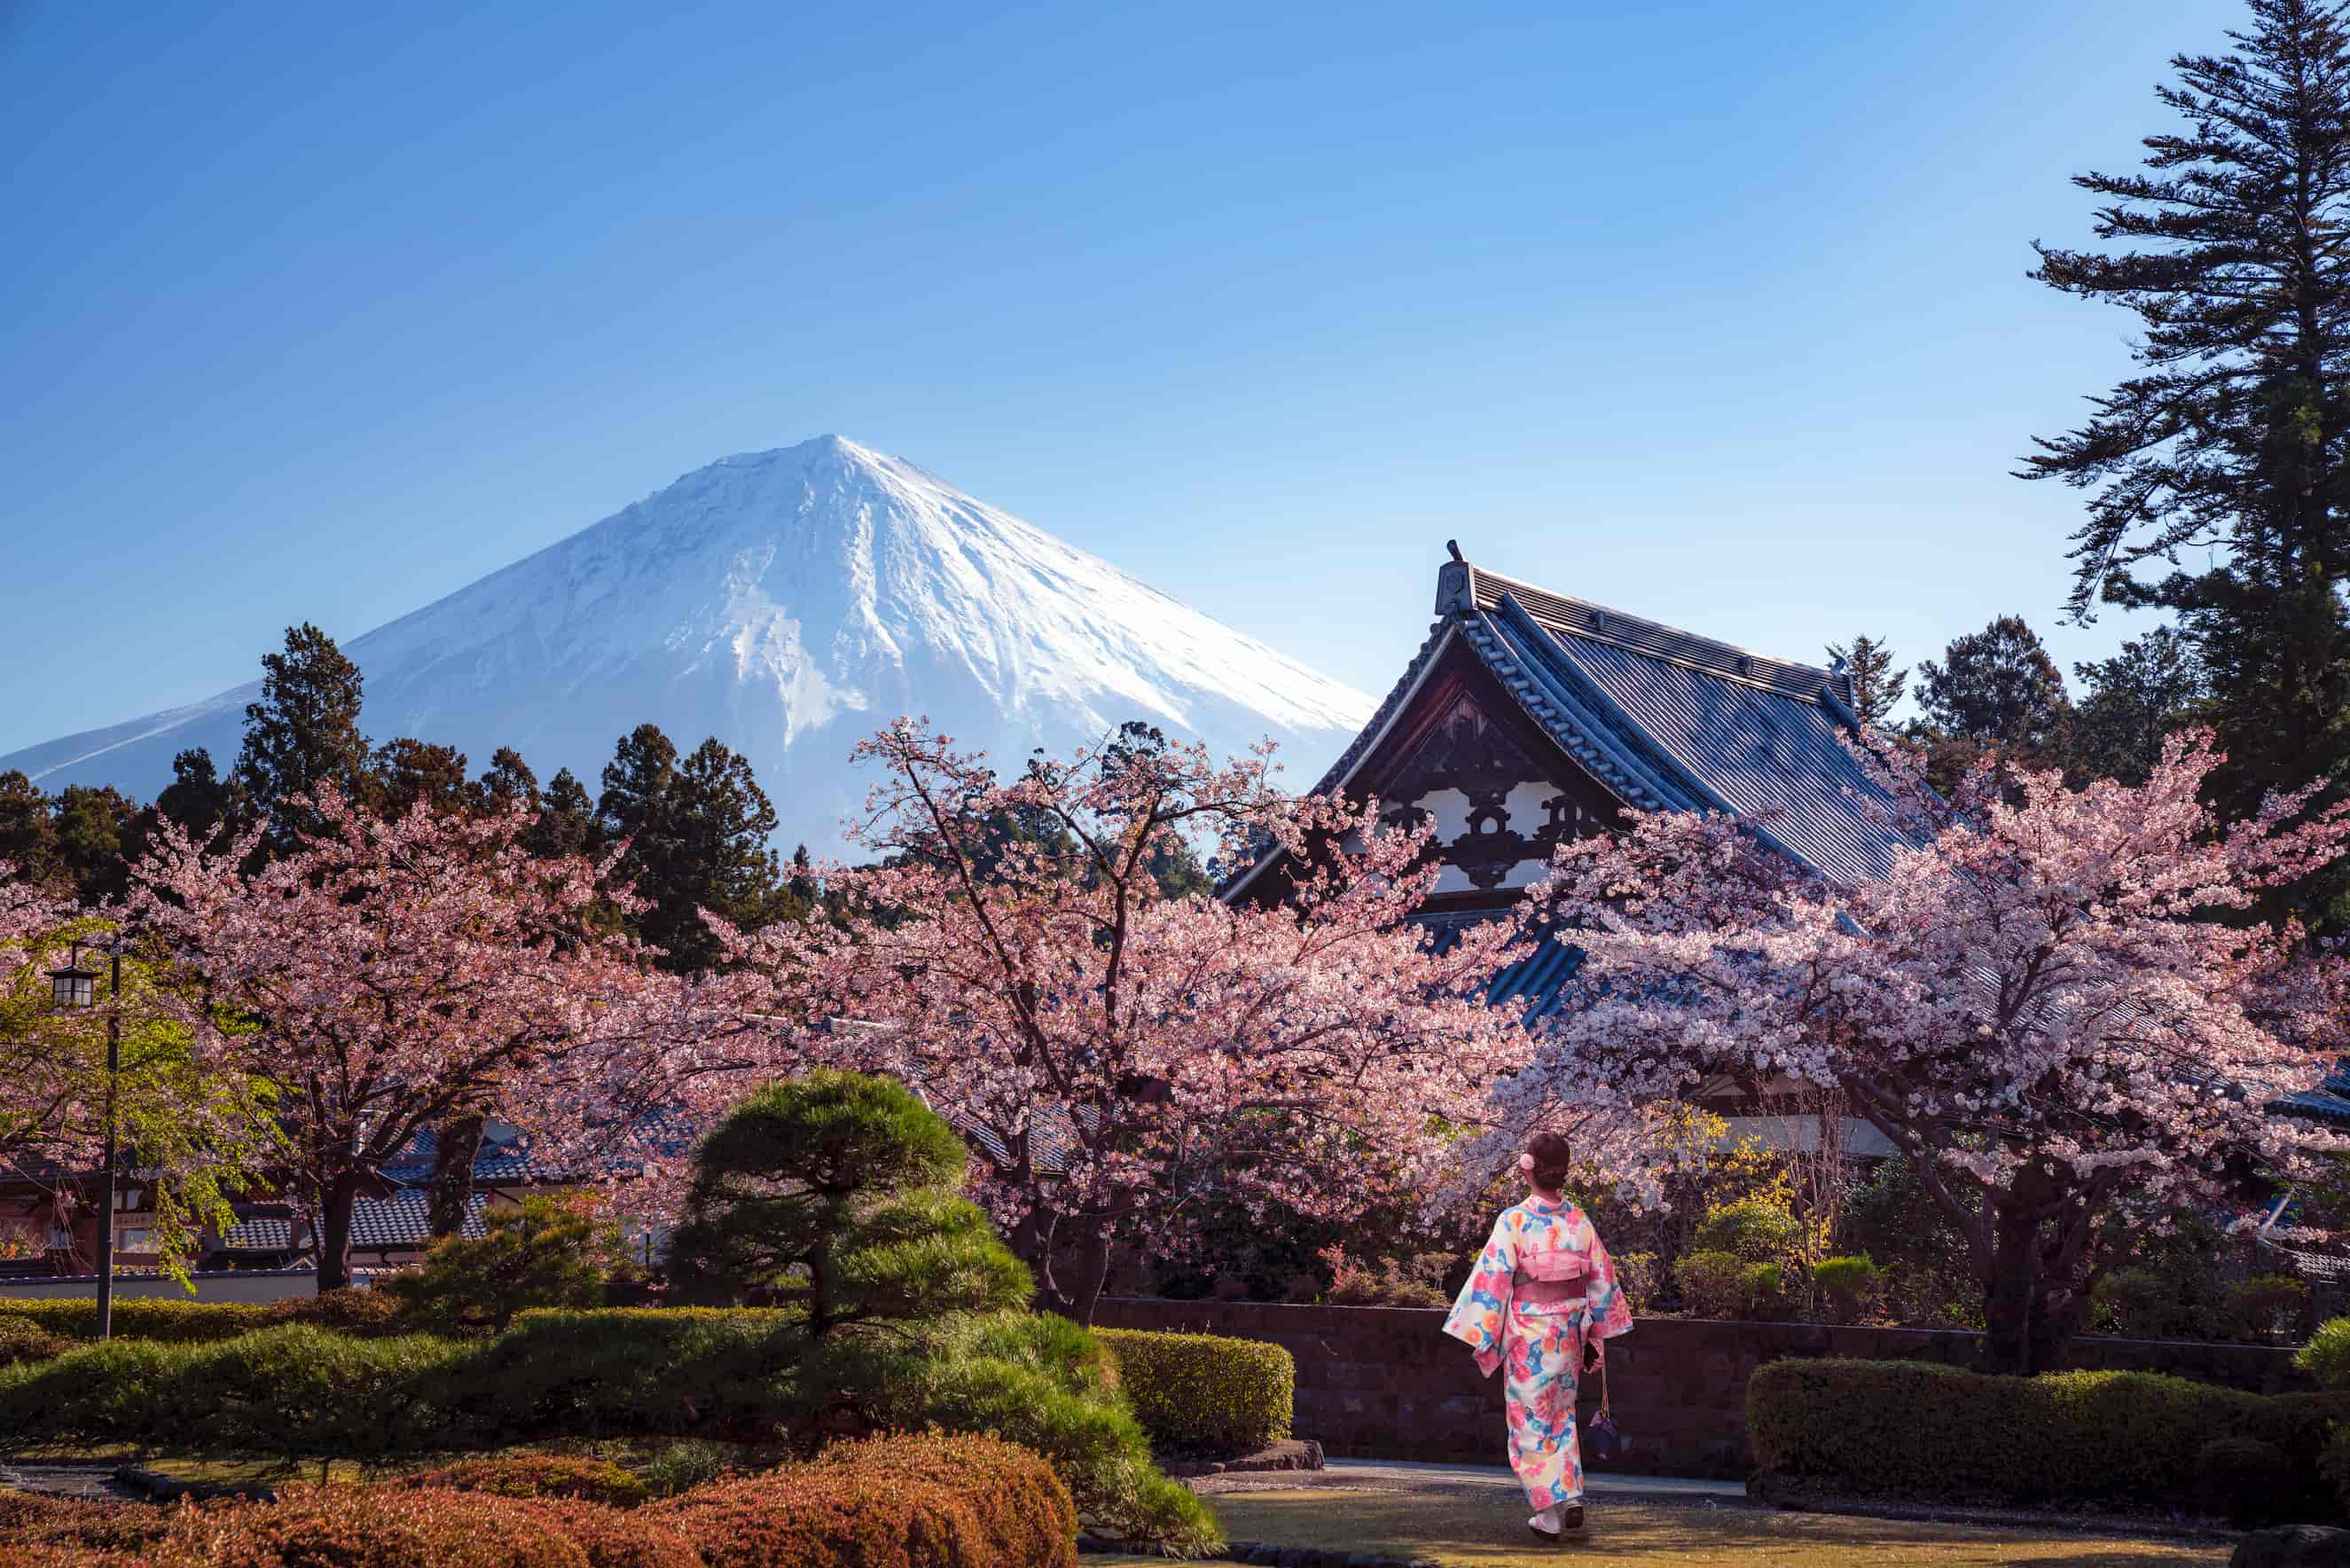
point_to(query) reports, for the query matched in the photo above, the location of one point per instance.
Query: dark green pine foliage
(509, 785)
(303, 731)
(839, 1194)
(568, 824)
(197, 798)
(2231, 447)
(2132, 702)
(406, 773)
(1877, 687)
(1996, 686)
(29, 831)
(96, 827)
(697, 832)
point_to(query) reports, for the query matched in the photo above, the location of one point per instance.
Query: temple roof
(1663, 719)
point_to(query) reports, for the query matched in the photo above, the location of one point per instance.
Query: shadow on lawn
(1491, 1533)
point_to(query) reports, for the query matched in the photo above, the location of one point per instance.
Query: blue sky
(1714, 313)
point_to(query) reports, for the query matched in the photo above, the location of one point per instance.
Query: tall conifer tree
(2230, 448)
(303, 731)
(1877, 687)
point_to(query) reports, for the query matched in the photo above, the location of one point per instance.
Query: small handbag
(1602, 1434)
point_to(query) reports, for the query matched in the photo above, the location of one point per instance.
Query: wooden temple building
(1529, 717)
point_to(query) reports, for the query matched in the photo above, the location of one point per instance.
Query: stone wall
(1383, 1382)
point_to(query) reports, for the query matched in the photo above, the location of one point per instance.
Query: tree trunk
(456, 1143)
(1032, 1242)
(334, 1232)
(1092, 1270)
(2011, 1295)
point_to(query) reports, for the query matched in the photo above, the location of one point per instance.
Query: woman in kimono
(1539, 1304)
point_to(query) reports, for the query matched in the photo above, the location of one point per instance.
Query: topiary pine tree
(2232, 445)
(840, 1193)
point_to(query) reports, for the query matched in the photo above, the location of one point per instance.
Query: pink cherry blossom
(2056, 1001)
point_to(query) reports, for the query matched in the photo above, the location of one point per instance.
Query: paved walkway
(92, 1480)
(1410, 1472)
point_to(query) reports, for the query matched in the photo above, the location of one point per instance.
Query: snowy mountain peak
(788, 602)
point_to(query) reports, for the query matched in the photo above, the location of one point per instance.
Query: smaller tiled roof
(260, 1235)
(404, 1220)
(1538, 980)
(2329, 1102)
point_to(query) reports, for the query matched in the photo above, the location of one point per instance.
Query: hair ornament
(1526, 1162)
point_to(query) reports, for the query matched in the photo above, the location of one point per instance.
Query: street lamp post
(76, 987)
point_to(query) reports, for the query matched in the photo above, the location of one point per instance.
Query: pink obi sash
(1549, 1280)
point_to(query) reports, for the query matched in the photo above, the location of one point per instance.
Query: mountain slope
(788, 602)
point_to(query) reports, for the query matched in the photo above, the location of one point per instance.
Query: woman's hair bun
(1547, 1160)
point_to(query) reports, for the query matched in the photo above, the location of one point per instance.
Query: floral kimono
(1541, 1341)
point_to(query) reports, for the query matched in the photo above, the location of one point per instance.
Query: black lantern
(74, 986)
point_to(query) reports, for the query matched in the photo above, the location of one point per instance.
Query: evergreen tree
(28, 830)
(1877, 687)
(302, 732)
(1996, 687)
(840, 1193)
(566, 821)
(406, 773)
(197, 798)
(2153, 686)
(2231, 447)
(509, 785)
(95, 828)
(697, 834)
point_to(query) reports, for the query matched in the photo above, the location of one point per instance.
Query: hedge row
(1918, 1430)
(173, 1321)
(1034, 1379)
(1205, 1392)
(939, 1502)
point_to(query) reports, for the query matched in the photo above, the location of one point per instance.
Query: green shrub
(537, 1475)
(1710, 1283)
(2327, 1356)
(2243, 1481)
(365, 1312)
(625, 1371)
(171, 1321)
(22, 1339)
(1753, 1229)
(955, 1502)
(294, 1391)
(2269, 1308)
(1915, 1430)
(553, 1251)
(682, 1466)
(1847, 1286)
(1638, 1277)
(1205, 1391)
(2334, 1465)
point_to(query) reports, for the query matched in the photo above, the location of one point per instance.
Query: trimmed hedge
(1914, 1429)
(1031, 1378)
(537, 1475)
(1195, 1392)
(22, 1339)
(171, 1321)
(893, 1503)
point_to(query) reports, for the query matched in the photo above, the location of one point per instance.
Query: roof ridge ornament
(1456, 584)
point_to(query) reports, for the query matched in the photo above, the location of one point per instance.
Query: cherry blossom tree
(1110, 1051)
(387, 974)
(195, 1130)
(2053, 1002)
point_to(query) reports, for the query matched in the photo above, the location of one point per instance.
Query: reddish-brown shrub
(537, 1475)
(372, 1527)
(614, 1539)
(972, 1502)
(83, 1524)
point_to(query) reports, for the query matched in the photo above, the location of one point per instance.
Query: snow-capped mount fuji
(788, 602)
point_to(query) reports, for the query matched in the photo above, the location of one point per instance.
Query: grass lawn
(1491, 1533)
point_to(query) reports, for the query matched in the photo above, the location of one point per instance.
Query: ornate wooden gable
(1500, 796)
